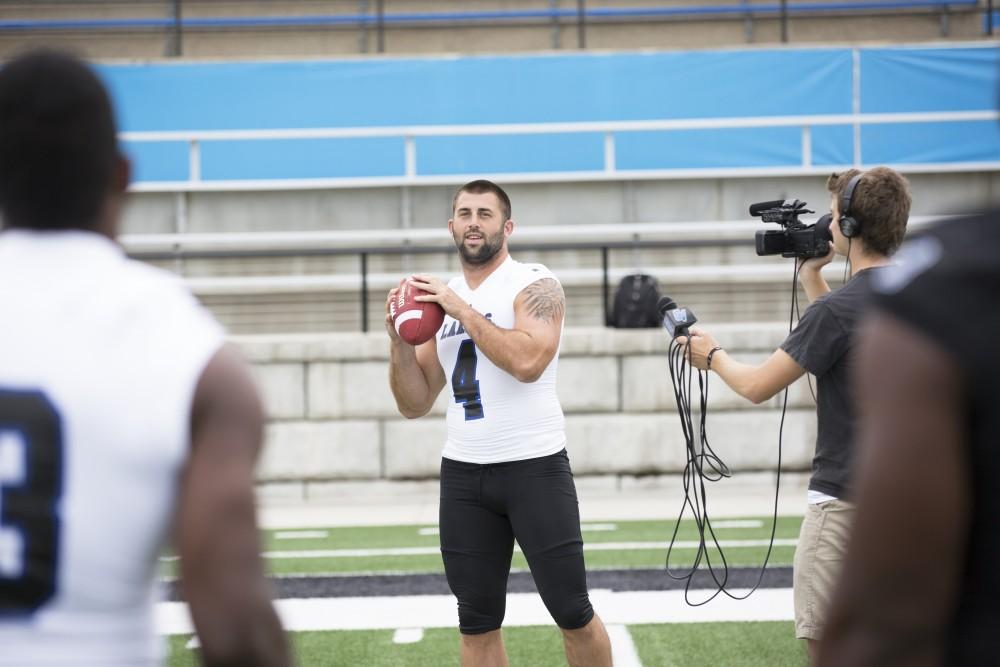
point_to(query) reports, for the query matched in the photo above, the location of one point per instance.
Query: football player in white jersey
(124, 419)
(505, 474)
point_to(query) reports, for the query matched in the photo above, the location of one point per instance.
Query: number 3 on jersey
(464, 383)
(31, 468)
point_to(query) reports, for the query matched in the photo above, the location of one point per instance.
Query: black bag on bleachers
(634, 305)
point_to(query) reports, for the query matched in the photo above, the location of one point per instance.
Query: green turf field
(763, 644)
(644, 546)
(367, 550)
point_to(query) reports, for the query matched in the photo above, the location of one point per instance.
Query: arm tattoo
(545, 300)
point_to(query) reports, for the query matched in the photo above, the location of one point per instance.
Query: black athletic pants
(483, 509)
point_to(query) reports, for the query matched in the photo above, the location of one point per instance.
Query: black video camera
(796, 239)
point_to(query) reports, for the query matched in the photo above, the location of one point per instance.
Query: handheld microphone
(675, 320)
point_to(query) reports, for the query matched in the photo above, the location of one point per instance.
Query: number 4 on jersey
(464, 383)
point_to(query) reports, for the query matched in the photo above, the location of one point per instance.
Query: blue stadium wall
(559, 88)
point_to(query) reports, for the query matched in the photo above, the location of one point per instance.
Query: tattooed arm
(526, 350)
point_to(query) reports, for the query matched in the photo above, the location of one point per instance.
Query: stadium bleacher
(287, 192)
(294, 160)
(637, 154)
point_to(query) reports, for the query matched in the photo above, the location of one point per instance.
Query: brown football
(416, 322)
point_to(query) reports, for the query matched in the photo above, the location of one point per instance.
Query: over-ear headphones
(849, 225)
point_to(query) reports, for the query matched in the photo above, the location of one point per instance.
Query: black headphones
(849, 225)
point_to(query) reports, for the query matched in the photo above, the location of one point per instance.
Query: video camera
(796, 239)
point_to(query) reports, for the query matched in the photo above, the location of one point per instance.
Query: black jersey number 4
(464, 384)
(31, 481)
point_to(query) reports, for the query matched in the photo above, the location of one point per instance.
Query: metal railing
(609, 129)
(363, 255)
(625, 237)
(373, 16)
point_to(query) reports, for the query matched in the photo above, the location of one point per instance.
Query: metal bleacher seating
(293, 273)
(335, 281)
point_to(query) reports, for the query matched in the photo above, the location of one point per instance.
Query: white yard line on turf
(300, 534)
(623, 651)
(407, 635)
(738, 523)
(593, 546)
(441, 611)
(598, 527)
(585, 527)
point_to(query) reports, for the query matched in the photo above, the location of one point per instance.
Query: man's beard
(487, 250)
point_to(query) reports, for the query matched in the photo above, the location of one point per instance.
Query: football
(416, 322)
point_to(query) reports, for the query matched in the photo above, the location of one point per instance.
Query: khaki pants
(818, 561)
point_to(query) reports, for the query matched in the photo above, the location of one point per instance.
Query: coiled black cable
(704, 467)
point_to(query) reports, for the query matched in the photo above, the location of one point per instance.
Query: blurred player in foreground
(920, 584)
(505, 473)
(123, 416)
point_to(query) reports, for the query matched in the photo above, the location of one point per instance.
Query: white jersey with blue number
(99, 360)
(493, 417)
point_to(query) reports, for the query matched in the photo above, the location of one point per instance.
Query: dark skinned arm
(217, 537)
(901, 573)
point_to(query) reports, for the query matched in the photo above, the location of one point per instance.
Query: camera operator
(869, 213)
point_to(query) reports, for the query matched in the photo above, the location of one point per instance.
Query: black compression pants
(483, 509)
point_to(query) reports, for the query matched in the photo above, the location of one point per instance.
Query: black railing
(363, 253)
(580, 16)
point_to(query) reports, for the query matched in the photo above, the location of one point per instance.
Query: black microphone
(757, 209)
(675, 320)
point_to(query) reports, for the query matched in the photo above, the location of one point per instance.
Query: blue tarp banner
(557, 88)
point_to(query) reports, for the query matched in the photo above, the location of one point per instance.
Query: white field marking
(598, 527)
(300, 534)
(585, 527)
(440, 611)
(193, 643)
(595, 546)
(738, 523)
(407, 635)
(623, 651)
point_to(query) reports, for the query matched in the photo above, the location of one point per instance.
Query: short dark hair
(880, 203)
(58, 145)
(480, 186)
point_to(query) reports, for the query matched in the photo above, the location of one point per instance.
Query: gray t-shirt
(822, 344)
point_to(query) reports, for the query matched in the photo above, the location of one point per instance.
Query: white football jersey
(493, 417)
(99, 359)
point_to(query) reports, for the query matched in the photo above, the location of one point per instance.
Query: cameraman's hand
(815, 264)
(811, 276)
(697, 347)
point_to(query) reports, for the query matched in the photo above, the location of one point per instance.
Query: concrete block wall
(332, 419)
